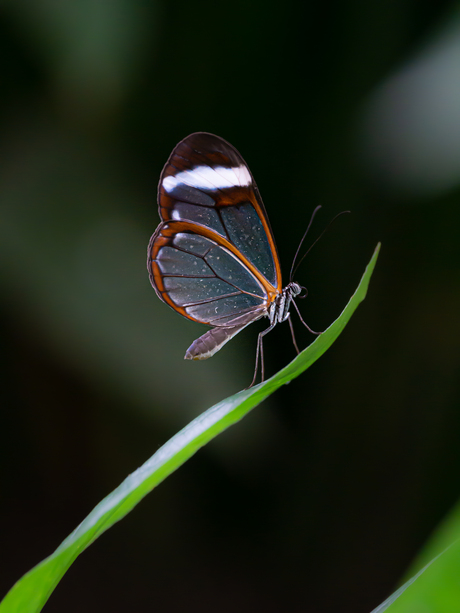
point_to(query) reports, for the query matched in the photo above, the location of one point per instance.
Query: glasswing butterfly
(213, 257)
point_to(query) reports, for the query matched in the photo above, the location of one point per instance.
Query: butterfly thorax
(279, 308)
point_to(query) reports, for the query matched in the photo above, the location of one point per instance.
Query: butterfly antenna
(314, 243)
(301, 242)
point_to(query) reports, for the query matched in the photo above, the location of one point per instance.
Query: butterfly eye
(303, 292)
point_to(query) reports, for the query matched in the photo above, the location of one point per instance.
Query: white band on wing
(206, 177)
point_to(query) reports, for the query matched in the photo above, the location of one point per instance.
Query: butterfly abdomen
(211, 341)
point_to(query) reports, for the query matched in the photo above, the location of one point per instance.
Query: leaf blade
(32, 591)
(435, 587)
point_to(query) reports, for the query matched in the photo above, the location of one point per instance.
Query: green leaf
(32, 591)
(436, 587)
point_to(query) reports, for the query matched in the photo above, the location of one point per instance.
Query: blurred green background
(331, 486)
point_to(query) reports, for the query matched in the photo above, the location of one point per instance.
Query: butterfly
(213, 257)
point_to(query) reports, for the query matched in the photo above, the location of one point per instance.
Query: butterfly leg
(300, 317)
(260, 352)
(293, 335)
(257, 364)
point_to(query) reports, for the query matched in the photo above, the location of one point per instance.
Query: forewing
(207, 182)
(202, 277)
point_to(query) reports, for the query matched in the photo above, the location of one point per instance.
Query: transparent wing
(203, 279)
(207, 182)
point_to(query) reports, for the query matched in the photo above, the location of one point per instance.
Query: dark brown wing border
(203, 148)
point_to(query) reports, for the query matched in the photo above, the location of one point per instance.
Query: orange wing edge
(164, 235)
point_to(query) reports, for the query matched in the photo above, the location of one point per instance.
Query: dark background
(317, 501)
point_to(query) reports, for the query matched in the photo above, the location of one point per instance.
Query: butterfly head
(295, 290)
